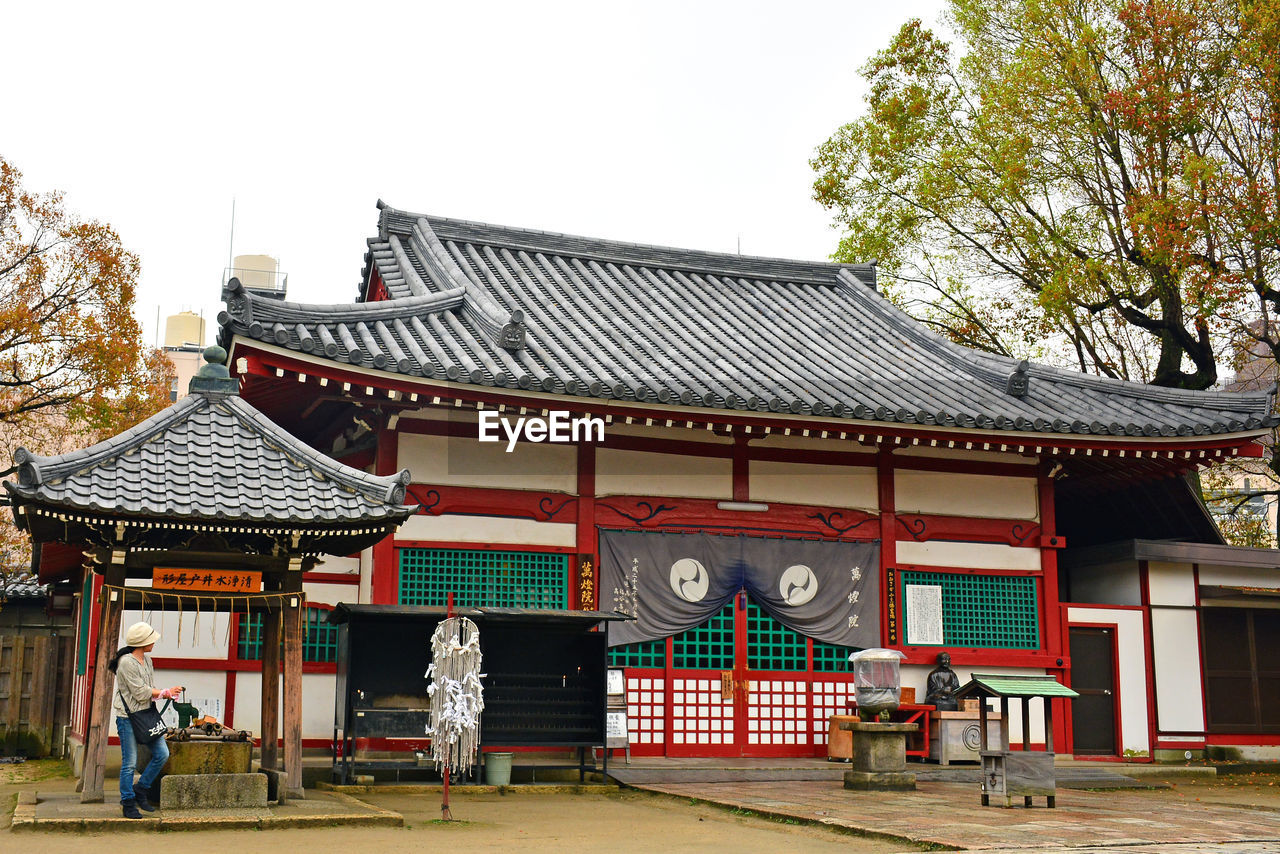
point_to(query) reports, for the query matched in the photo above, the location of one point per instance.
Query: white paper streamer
(457, 697)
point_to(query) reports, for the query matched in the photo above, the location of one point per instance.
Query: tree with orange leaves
(73, 368)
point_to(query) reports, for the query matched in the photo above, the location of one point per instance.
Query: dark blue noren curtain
(670, 583)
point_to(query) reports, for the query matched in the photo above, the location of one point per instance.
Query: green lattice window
(997, 611)
(829, 658)
(484, 578)
(652, 654)
(319, 638)
(771, 645)
(709, 646)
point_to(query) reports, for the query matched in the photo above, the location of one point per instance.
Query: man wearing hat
(134, 692)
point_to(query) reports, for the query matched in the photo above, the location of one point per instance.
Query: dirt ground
(629, 822)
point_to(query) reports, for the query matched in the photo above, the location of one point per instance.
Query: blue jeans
(129, 760)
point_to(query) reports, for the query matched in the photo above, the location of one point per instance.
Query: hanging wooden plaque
(206, 580)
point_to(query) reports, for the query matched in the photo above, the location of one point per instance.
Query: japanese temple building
(785, 468)
(207, 511)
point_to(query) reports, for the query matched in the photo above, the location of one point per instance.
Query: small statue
(940, 689)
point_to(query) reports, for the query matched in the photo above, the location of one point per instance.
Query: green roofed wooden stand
(1028, 773)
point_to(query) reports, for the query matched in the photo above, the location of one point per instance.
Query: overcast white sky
(683, 124)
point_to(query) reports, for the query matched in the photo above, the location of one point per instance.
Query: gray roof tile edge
(382, 488)
(997, 369)
(384, 494)
(720, 263)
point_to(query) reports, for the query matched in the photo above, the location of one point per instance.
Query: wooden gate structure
(207, 505)
(35, 675)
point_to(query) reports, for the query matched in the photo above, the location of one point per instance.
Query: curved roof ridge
(575, 245)
(245, 307)
(46, 468)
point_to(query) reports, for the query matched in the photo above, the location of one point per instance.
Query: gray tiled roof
(610, 320)
(210, 457)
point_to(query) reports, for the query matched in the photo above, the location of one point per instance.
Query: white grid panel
(646, 708)
(828, 699)
(699, 714)
(775, 712)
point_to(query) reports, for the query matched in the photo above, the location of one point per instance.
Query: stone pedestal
(209, 757)
(213, 791)
(879, 756)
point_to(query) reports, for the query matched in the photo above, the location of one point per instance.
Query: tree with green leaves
(1087, 182)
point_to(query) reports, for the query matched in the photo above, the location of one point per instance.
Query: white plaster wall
(317, 704)
(976, 495)
(1109, 584)
(644, 473)
(1175, 643)
(349, 565)
(659, 430)
(466, 461)
(941, 452)
(1171, 583)
(813, 442)
(1131, 681)
(968, 555)
(330, 594)
(185, 635)
(804, 483)
(1233, 576)
(487, 529)
(200, 685)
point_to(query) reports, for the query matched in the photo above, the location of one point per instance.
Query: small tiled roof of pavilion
(617, 321)
(208, 457)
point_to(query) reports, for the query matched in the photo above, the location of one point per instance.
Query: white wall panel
(967, 555)
(1175, 642)
(1171, 583)
(1234, 576)
(466, 461)
(975, 495)
(487, 529)
(1131, 681)
(643, 473)
(183, 635)
(803, 483)
(317, 704)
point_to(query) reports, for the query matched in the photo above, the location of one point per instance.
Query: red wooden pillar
(385, 586)
(888, 539)
(1054, 628)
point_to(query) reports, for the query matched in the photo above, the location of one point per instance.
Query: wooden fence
(35, 693)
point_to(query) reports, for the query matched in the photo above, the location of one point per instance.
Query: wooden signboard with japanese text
(206, 580)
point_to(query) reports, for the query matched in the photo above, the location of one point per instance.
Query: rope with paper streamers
(457, 697)
(147, 599)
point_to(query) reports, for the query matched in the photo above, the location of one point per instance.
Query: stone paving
(61, 812)
(950, 814)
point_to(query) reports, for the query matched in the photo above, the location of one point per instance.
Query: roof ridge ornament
(213, 380)
(1019, 382)
(513, 332)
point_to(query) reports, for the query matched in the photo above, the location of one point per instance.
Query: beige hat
(140, 634)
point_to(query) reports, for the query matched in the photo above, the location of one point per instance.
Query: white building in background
(183, 343)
